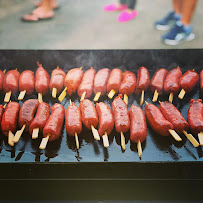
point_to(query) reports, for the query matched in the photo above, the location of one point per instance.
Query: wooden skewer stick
(54, 92)
(181, 94)
(105, 140)
(7, 96)
(139, 147)
(18, 134)
(111, 94)
(191, 139)
(44, 142)
(83, 96)
(81, 68)
(170, 99)
(175, 135)
(155, 97)
(95, 133)
(40, 97)
(62, 95)
(142, 98)
(35, 133)
(146, 103)
(125, 98)
(70, 102)
(4, 71)
(10, 138)
(200, 136)
(5, 105)
(76, 141)
(96, 98)
(123, 141)
(21, 95)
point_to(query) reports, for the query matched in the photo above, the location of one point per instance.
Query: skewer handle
(18, 134)
(4, 71)
(54, 92)
(70, 102)
(142, 98)
(22, 95)
(35, 133)
(155, 97)
(181, 94)
(105, 140)
(170, 99)
(83, 96)
(139, 147)
(111, 94)
(175, 135)
(125, 98)
(10, 138)
(62, 95)
(40, 97)
(95, 133)
(44, 142)
(76, 141)
(7, 97)
(200, 136)
(191, 139)
(97, 96)
(123, 141)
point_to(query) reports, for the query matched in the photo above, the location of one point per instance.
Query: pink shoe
(115, 7)
(125, 16)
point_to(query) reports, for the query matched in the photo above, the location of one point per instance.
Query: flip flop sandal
(37, 19)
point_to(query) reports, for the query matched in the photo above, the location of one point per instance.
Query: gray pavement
(82, 24)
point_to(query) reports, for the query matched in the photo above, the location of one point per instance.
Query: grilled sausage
(106, 120)
(87, 83)
(11, 81)
(157, 81)
(188, 80)
(171, 83)
(73, 120)
(171, 113)
(54, 124)
(128, 84)
(27, 113)
(10, 118)
(195, 116)
(73, 80)
(27, 81)
(41, 117)
(157, 121)
(42, 80)
(143, 80)
(121, 115)
(100, 81)
(88, 114)
(201, 81)
(1, 112)
(57, 79)
(115, 80)
(138, 125)
(1, 79)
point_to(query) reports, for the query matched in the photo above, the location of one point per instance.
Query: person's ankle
(129, 10)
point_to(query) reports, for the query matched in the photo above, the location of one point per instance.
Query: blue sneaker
(178, 34)
(167, 22)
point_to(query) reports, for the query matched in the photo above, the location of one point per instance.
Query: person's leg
(182, 30)
(116, 6)
(131, 5)
(54, 4)
(177, 6)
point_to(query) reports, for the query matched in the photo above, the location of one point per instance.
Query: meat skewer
(128, 85)
(26, 116)
(143, 82)
(114, 82)
(180, 125)
(41, 82)
(158, 123)
(157, 83)
(195, 118)
(138, 127)
(100, 82)
(89, 116)
(53, 127)
(1, 79)
(171, 83)
(187, 82)
(71, 82)
(121, 117)
(9, 121)
(86, 86)
(10, 83)
(39, 120)
(106, 121)
(201, 81)
(26, 83)
(73, 121)
(56, 81)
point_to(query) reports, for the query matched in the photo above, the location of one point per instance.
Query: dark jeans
(130, 3)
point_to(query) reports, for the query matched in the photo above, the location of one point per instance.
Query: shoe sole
(174, 42)
(162, 27)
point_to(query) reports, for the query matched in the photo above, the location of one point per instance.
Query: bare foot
(54, 4)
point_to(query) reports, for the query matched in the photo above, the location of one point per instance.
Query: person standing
(179, 22)
(126, 6)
